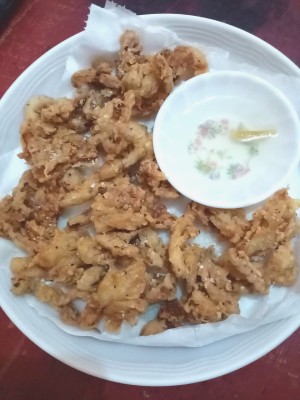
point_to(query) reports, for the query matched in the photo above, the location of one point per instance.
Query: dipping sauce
(227, 139)
(217, 155)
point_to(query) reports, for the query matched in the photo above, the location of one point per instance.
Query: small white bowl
(193, 147)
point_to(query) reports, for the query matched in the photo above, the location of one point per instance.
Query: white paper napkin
(101, 37)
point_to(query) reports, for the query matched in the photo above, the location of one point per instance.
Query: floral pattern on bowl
(217, 155)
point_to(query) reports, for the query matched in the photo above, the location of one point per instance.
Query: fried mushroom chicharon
(90, 210)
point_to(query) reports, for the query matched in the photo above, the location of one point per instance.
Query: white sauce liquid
(218, 156)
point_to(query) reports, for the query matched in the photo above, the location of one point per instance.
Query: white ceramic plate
(118, 362)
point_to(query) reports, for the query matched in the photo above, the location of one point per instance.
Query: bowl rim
(161, 127)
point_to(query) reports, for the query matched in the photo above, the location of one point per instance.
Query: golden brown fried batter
(182, 230)
(281, 268)
(121, 207)
(151, 246)
(218, 300)
(271, 225)
(172, 313)
(51, 157)
(186, 62)
(118, 246)
(50, 141)
(150, 175)
(61, 251)
(135, 136)
(29, 216)
(232, 224)
(51, 295)
(241, 268)
(119, 294)
(154, 327)
(130, 50)
(161, 282)
(99, 76)
(91, 253)
(209, 294)
(151, 80)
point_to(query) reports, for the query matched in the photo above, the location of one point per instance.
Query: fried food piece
(154, 327)
(121, 207)
(51, 295)
(87, 319)
(90, 316)
(72, 178)
(130, 50)
(232, 223)
(135, 136)
(158, 215)
(172, 313)
(241, 268)
(195, 256)
(89, 188)
(24, 268)
(161, 285)
(122, 284)
(89, 278)
(201, 309)
(123, 141)
(80, 220)
(51, 137)
(106, 218)
(209, 295)
(51, 157)
(59, 252)
(83, 192)
(67, 275)
(112, 112)
(55, 261)
(272, 224)
(150, 78)
(212, 298)
(151, 246)
(29, 215)
(150, 175)
(25, 275)
(116, 245)
(281, 268)
(21, 286)
(99, 76)
(43, 114)
(57, 111)
(161, 282)
(91, 101)
(91, 253)
(119, 294)
(182, 230)
(34, 105)
(186, 62)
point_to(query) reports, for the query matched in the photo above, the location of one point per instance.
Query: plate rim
(293, 324)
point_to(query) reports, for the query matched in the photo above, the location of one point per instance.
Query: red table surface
(26, 372)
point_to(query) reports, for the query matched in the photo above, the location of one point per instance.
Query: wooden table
(26, 372)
